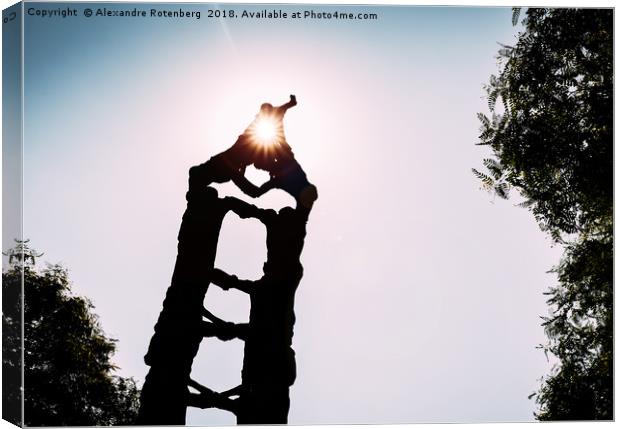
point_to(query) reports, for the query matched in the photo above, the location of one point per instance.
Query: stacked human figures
(269, 360)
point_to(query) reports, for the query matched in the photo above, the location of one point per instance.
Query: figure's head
(266, 108)
(286, 214)
(210, 193)
(201, 197)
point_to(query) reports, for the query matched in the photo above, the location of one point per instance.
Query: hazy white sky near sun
(421, 296)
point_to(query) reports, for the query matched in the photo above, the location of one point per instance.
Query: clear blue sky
(421, 295)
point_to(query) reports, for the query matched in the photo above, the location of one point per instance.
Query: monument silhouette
(269, 359)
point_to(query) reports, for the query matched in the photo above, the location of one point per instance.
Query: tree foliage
(551, 135)
(68, 376)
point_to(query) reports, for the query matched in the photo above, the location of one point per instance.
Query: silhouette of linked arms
(207, 398)
(235, 391)
(250, 189)
(246, 186)
(225, 166)
(228, 281)
(245, 210)
(221, 329)
(288, 176)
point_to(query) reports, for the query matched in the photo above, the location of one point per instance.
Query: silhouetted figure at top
(269, 360)
(273, 119)
(278, 159)
(278, 112)
(230, 165)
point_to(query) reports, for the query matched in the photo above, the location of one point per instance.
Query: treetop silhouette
(67, 368)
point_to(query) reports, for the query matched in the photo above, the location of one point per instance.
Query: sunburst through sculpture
(266, 132)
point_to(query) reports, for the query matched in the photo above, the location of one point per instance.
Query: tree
(551, 136)
(68, 376)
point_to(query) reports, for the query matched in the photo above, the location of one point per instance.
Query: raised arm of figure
(292, 102)
(281, 110)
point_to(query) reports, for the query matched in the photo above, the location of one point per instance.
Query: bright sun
(265, 131)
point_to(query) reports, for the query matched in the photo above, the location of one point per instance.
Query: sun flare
(265, 132)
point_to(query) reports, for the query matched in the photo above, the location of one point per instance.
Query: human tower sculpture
(269, 360)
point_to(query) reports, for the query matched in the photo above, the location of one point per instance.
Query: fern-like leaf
(516, 11)
(487, 182)
(483, 118)
(494, 167)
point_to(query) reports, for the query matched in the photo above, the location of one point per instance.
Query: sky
(422, 294)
